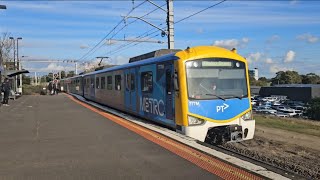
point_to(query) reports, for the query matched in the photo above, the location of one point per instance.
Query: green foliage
(70, 74)
(287, 77)
(30, 90)
(310, 78)
(63, 74)
(294, 125)
(314, 109)
(26, 79)
(261, 82)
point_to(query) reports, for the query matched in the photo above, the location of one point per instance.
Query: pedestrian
(50, 88)
(54, 88)
(5, 88)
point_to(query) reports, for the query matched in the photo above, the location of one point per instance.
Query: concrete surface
(51, 137)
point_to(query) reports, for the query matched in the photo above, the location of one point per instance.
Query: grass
(295, 125)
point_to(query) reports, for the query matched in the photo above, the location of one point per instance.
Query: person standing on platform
(5, 88)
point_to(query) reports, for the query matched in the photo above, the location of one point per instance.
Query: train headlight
(247, 116)
(195, 121)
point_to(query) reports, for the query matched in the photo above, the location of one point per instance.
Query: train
(202, 92)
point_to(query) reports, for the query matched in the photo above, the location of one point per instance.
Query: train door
(92, 87)
(130, 91)
(169, 92)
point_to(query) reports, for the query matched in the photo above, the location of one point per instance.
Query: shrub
(314, 109)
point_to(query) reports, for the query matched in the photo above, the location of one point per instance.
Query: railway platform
(60, 137)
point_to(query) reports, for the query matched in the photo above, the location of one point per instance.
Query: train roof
(170, 56)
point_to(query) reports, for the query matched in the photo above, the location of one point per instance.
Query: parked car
(281, 114)
(266, 109)
(253, 102)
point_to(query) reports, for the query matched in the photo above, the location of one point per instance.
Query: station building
(295, 92)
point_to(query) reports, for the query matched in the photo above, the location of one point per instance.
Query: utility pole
(14, 62)
(18, 64)
(76, 66)
(170, 23)
(170, 29)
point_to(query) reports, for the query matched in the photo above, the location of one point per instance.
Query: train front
(216, 96)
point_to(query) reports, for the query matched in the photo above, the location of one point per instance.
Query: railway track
(254, 158)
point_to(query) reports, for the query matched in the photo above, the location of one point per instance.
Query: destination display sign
(216, 64)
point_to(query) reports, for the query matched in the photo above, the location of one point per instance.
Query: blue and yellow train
(202, 92)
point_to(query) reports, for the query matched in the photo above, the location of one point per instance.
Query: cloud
(118, 60)
(232, 43)
(277, 68)
(294, 2)
(269, 61)
(84, 46)
(253, 57)
(289, 56)
(273, 39)
(200, 30)
(52, 67)
(308, 38)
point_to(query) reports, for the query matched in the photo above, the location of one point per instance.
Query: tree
(63, 74)
(310, 78)
(314, 109)
(5, 47)
(261, 82)
(287, 77)
(70, 74)
(263, 79)
(26, 79)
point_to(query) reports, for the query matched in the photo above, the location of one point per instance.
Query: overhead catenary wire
(110, 31)
(121, 30)
(123, 47)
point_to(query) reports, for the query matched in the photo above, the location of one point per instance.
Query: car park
(266, 109)
(281, 114)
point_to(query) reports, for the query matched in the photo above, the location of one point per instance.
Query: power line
(111, 30)
(119, 49)
(200, 11)
(88, 54)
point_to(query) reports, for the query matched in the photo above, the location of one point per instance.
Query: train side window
(132, 82)
(88, 82)
(117, 82)
(146, 81)
(109, 82)
(97, 82)
(103, 82)
(127, 82)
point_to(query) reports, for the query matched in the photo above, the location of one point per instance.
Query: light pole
(20, 81)
(18, 65)
(14, 60)
(3, 7)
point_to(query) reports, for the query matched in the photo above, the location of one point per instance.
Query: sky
(271, 35)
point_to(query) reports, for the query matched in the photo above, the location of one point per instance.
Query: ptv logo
(222, 108)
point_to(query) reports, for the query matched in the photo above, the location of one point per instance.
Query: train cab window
(146, 81)
(117, 82)
(128, 82)
(132, 82)
(109, 82)
(97, 82)
(103, 82)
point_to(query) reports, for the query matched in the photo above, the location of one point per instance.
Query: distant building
(254, 90)
(254, 73)
(295, 92)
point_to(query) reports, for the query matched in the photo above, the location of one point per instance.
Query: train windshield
(216, 78)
